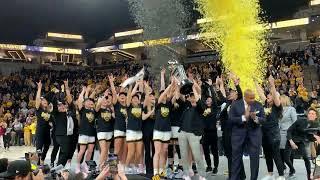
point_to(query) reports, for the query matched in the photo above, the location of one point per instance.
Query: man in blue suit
(246, 115)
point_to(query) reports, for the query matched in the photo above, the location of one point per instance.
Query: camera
(112, 162)
(93, 172)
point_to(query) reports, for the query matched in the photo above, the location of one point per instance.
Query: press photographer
(299, 138)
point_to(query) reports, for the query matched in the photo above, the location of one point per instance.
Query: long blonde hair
(285, 101)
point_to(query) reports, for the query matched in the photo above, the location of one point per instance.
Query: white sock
(155, 171)
(160, 170)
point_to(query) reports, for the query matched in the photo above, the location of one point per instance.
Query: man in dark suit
(246, 116)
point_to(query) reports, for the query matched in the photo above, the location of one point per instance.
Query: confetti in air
(161, 19)
(234, 28)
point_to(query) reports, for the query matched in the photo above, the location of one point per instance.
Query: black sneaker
(292, 173)
(179, 167)
(194, 168)
(209, 169)
(215, 170)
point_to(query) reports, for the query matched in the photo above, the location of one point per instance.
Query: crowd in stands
(17, 91)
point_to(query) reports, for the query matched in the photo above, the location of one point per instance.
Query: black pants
(43, 142)
(73, 145)
(55, 149)
(271, 149)
(64, 142)
(286, 157)
(227, 146)
(303, 152)
(147, 131)
(210, 143)
(6, 140)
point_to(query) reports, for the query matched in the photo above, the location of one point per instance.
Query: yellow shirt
(33, 128)
(27, 129)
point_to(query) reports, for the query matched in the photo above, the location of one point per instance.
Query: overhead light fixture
(314, 2)
(128, 33)
(64, 36)
(275, 25)
(289, 23)
(131, 45)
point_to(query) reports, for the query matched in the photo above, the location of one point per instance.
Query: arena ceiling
(24, 21)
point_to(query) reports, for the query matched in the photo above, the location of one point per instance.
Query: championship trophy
(183, 81)
(139, 76)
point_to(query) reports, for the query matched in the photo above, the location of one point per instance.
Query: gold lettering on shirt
(106, 116)
(45, 116)
(136, 112)
(90, 116)
(124, 112)
(164, 112)
(207, 112)
(267, 111)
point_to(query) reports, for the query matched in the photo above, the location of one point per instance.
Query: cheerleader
(162, 131)
(120, 124)
(87, 129)
(134, 131)
(43, 125)
(105, 121)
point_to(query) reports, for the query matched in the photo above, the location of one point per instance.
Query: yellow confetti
(239, 34)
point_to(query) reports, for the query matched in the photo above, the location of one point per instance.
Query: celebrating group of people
(146, 125)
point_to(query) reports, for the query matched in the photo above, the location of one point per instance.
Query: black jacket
(297, 132)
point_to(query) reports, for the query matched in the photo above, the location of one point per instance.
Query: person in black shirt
(64, 125)
(162, 130)
(299, 139)
(270, 129)
(43, 125)
(226, 125)
(148, 120)
(210, 137)
(175, 113)
(190, 133)
(105, 122)
(87, 129)
(134, 130)
(120, 124)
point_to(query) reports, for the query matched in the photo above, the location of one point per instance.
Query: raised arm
(145, 116)
(129, 95)
(147, 93)
(274, 93)
(69, 97)
(163, 83)
(81, 99)
(195, 92)
(113, 89)
(162, 97)
(98, 106)
(38, 96)
(220, 86)
(260, 92)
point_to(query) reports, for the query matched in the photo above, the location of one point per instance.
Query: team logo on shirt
(267, 111)
(124, 112)
(207, 112)
(45, 116)
(106, 116)
(164, 112)
(90, 116)
(136, 112)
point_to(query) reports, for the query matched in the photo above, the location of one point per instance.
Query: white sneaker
(128, 170)
(186, 177)
(202, 178)
(179, 174)
(268, 177)
(281, 178)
